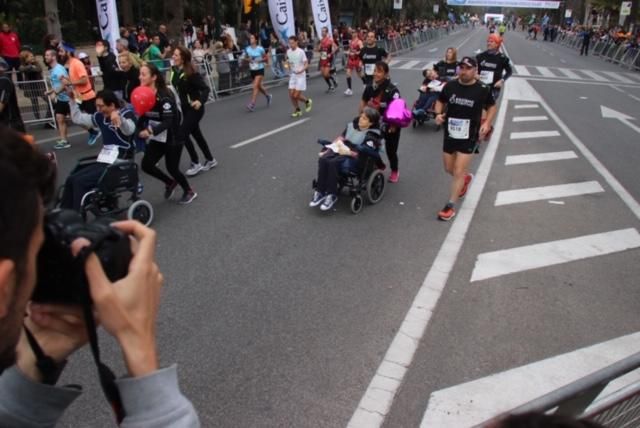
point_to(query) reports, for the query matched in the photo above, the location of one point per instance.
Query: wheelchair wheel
(375, 187)
(356, 204)
(142, 211)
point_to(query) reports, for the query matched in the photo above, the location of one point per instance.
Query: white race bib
(273, 52)
(254, 65)
(323, 55)
(459, 128)
(161, 137)
(369, 69)
(486, 77)
(108, 154)
(230, 57)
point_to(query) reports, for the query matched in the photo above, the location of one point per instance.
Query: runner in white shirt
(297, 64)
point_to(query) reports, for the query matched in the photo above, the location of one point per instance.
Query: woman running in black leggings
(161, 132)
(192, 92)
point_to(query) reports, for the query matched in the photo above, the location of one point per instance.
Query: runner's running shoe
(269, 100)
(296, 113)
(210, 164)
(93, 137)
(251, 107)
(308, 104)
(348, 92)
(61, 144)
(195, 168)
(170, 189)
(188, 197)
(447, 213)
(467, 181)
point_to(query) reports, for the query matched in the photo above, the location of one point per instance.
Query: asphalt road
(279, 315)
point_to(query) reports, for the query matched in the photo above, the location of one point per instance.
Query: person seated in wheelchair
(117, 124)
(359, 142)
(429, 91)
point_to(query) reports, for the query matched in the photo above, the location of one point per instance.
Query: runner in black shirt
(378, 95)
(493, 66)
(370, 55)
(464, 100)
(448, 67)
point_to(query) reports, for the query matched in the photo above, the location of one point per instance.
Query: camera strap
(105, 374)
(49, 369)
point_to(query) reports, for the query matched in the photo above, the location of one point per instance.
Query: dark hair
(293, 38)
(27, 178)
(187, 65)
(161, 84)
(383, 66)
(108, 97)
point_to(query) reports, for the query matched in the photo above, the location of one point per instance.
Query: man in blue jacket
(126, 309)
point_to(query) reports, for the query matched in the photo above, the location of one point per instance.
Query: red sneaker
(394, 177)
(467, 181)
(447, 213)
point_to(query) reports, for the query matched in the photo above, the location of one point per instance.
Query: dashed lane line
(540, 157)
(526, 106)
(533, 134)
(531, 194)
(530, 118)
(519, 259)
(268, 134)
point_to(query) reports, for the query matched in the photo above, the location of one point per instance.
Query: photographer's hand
(127, 309)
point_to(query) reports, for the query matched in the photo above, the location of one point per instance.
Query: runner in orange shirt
(79, 79)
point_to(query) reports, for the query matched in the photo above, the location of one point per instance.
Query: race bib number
(486, 77)
(161, 137)
(323, 55)
(254, 66)
(459, 128)
(273, 52)
(108, 154)
(230, 57)
(369, 69)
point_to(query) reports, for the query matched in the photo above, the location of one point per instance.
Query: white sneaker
(317, 199)
(329, 202)
(195, 168)
(348, 92)
(210, 164)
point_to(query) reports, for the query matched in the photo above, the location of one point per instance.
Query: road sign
(397, 4)
(625, 8)
(436, 9)
(567, 13)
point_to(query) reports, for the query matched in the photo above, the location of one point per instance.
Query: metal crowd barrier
(580, 399)
(35, 107)
(620, 53)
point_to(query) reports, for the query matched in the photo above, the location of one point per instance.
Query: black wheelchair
(119, 181)
(367, 181)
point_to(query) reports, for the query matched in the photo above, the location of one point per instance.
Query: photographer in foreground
(127, 309)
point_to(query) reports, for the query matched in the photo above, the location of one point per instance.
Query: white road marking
(473, 403)
(521, 70)
(540, 157)
(556, 202)
(409, 65)
(609, 113)
(634, 97)
(615, 88)
(593, 75)
(394, 62)
(576, 82)
(570, 74)
(617, 76)
(546, 72)
(433, 49)
(530, 118)
(563, 61)
(634, 76)
(584, 98)
(378, 398)
(51, 139)
(267, 134)
(520, 259)
(611, 180)
(530, 194)
(521, 106)
(533, 134)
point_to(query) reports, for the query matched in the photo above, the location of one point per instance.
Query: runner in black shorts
(464, 100)
(370, 55)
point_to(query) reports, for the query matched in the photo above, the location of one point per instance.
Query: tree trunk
(174, 15)
(52, 17)
(127, 13)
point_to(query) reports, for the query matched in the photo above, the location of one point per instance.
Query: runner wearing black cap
(460, 108)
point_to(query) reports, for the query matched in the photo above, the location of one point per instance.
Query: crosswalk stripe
(527, 106)
(409, 65)
(570, 74)
(635, 76)
(519, 259)
(518, 196)
(593, 75)
(529, 118)
(533, 134)
(617, 76)
(522, 70)
(394, 62)
(546, 72)
(540, 157)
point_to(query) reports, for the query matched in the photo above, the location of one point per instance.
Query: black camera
(61, 276)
